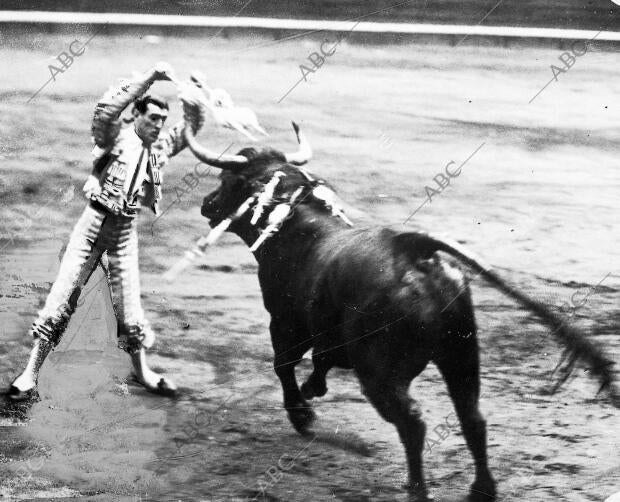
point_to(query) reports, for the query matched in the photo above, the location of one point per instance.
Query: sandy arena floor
(539, 200)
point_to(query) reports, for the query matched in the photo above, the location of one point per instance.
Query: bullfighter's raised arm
(173, 141)
(106, 123)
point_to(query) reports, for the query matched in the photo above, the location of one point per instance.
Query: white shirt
(135, 156)
(130, 151)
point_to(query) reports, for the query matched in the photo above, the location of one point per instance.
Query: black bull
(380, 302)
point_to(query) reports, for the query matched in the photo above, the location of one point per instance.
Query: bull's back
(363, 279)
(361, 273)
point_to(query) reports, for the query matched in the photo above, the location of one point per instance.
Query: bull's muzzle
(209, 208)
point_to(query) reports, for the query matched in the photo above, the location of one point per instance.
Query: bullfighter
(126, 175)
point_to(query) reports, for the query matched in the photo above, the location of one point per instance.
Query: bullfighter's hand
(193, 103)
(163, 71)
(189, 94)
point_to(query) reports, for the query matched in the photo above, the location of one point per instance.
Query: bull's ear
(304, 153)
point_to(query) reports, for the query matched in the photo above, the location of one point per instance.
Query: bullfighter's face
(148, 125)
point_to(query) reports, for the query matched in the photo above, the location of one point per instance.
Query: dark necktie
(130, 193)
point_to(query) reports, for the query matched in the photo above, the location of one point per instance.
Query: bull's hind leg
(287, 356)
(460, 369)
(396, 406)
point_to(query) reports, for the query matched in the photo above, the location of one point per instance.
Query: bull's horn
(222, 161)
(304, 153)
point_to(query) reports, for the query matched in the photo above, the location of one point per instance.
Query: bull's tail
(576, 344)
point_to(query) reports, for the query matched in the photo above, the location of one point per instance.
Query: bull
(380, 302)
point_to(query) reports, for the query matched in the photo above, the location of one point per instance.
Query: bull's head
(248, 174)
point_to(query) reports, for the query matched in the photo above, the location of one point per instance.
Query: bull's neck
(298, 235)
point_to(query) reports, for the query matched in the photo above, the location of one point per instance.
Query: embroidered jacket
(118, 149)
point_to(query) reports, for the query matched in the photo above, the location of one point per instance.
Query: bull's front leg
(288, 353)
(315, 385)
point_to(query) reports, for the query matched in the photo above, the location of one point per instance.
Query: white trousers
(95, 232)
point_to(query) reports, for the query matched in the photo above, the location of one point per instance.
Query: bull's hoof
(15, 394)
(311, 390)
(302, 418)
(482, 492)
